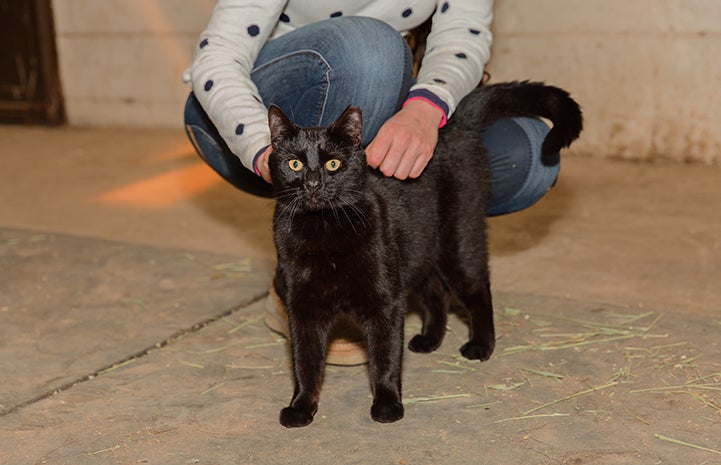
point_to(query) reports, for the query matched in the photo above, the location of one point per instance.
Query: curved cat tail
(567, 120)
(490, 103)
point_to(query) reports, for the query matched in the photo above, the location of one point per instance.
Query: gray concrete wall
(645, 71)
(121, 60)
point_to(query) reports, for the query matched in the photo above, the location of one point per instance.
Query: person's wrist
(427, 111)
(432, 99)
(260, 164)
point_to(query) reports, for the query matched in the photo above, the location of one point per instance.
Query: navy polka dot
(203, 43)
(439, 81)
(462, 56)
(444, 8)
(336, 14)
(208, 85)
(284, 18)
(253, 30)
(407, 12)
(239, 129)
(475, 32)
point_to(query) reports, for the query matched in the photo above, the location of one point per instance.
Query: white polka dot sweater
(457, 50)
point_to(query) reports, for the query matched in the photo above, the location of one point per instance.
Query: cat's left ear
(349, 125)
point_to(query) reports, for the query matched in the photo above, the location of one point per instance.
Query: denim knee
(518, 176)
(210, 147)
(204, 137)
(361, 43)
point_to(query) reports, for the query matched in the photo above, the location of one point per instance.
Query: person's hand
(404, 144)
(262, 164)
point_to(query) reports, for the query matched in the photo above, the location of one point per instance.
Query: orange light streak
(166, 189)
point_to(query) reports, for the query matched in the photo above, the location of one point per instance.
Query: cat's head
(317, 168)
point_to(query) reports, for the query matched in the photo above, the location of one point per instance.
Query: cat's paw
(291, 417)
(478, 351)
(423, 344)
(387, 412)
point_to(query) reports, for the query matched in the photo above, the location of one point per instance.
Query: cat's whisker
(362, 216)
(358, 214)
(296, 206)
(356, 209)
(335, 213)
(350, 221)
(284, 209)
(285, 193)
(290, 208)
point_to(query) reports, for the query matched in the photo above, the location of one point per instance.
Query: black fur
(352, 242)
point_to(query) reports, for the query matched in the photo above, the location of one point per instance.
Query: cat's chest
(329, 255)
(331, 272)
(328, 251)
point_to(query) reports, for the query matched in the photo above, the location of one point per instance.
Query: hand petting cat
(405, 143)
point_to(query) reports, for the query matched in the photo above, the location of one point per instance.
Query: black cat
(353, 243)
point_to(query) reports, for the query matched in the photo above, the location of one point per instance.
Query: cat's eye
(332, 165)
(295, 164)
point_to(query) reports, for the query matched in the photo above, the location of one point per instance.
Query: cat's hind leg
(434, 302)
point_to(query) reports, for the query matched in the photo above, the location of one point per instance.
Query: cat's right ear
(281, 127)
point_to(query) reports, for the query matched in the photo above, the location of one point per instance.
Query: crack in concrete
(132, 357)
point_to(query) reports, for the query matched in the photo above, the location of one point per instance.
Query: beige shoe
(345, 347)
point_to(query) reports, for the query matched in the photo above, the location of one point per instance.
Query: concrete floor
(131, 287)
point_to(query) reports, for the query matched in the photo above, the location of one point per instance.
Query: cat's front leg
(384, 338)
(309, 342)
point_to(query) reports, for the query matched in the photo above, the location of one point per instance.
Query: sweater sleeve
(220, 72)
(457, 49)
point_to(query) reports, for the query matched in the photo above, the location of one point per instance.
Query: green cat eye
(295, 164)
(332, 165)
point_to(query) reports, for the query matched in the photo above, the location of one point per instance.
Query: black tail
(488, 104)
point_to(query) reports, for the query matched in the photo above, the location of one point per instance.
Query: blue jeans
(316, 71)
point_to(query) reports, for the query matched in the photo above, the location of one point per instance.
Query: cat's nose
(312, 180)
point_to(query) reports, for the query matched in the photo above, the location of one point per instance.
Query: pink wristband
(255, 160)
(443, 120)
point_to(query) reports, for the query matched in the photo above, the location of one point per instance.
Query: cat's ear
(349, 125)
(281, 127)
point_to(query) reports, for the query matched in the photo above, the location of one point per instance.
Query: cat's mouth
(313, 201)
